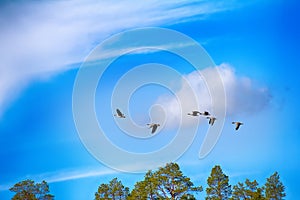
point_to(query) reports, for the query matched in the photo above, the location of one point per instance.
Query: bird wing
(210, 121)
(213, 121)
(119, 112)
(237, 125)
(154, 127)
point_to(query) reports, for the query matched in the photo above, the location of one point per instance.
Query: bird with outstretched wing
(154, 127)
(119, 114)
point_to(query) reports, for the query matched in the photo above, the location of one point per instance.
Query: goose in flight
(211, 120)
(154, 127)
(237, 125)
(194, 113)
(205, 113)
(119, 114)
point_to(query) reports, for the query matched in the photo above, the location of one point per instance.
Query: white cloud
(242, 96)
(74, 174)
(42, 38)
(63, 175)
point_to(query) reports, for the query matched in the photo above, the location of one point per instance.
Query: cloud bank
(243, 96)
(40, 38)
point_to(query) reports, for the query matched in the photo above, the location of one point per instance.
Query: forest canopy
(168, 182)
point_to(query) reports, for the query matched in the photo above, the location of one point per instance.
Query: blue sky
(43, 44)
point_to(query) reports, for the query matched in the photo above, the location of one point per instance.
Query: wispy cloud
(41, 38)
(243, 97)
(115, 51)
(63, 175)
(77, 173)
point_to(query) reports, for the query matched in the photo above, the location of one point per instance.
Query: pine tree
(28, 190)
(248, 191)
(274, 189)
(218, 185)
(146, 189)
(114, 190)
(172, 184)
(166, 183)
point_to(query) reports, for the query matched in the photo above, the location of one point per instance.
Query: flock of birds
(211, 119)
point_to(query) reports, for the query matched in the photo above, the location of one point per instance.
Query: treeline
(168, 182)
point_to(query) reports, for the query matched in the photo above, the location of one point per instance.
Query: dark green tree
(113, 190)
(166, 183)
(274, 189)
(247, 191)
(139, 192)
(146, 189)
(218, 185)
(28, 190)
(172, 184)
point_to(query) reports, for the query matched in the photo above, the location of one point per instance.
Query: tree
(172, 184)
(28, 190)
(139, 192)
(248, 191)
(146, 189)
(188, 197)
(166, 183)
(274, 189)
(114, 190)
(218, 185)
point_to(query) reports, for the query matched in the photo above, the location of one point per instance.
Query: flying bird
(237, 125)
(119, 114)
(154, 127)
(194, 113)
(205, 113)
(211, 120)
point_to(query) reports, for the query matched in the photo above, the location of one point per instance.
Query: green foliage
(30, 191)
(113, 190)
(218, 185)
(146, 189)
(172, 184)
(187, 197)
(274, 189)
(166, 183)
(248, 191)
